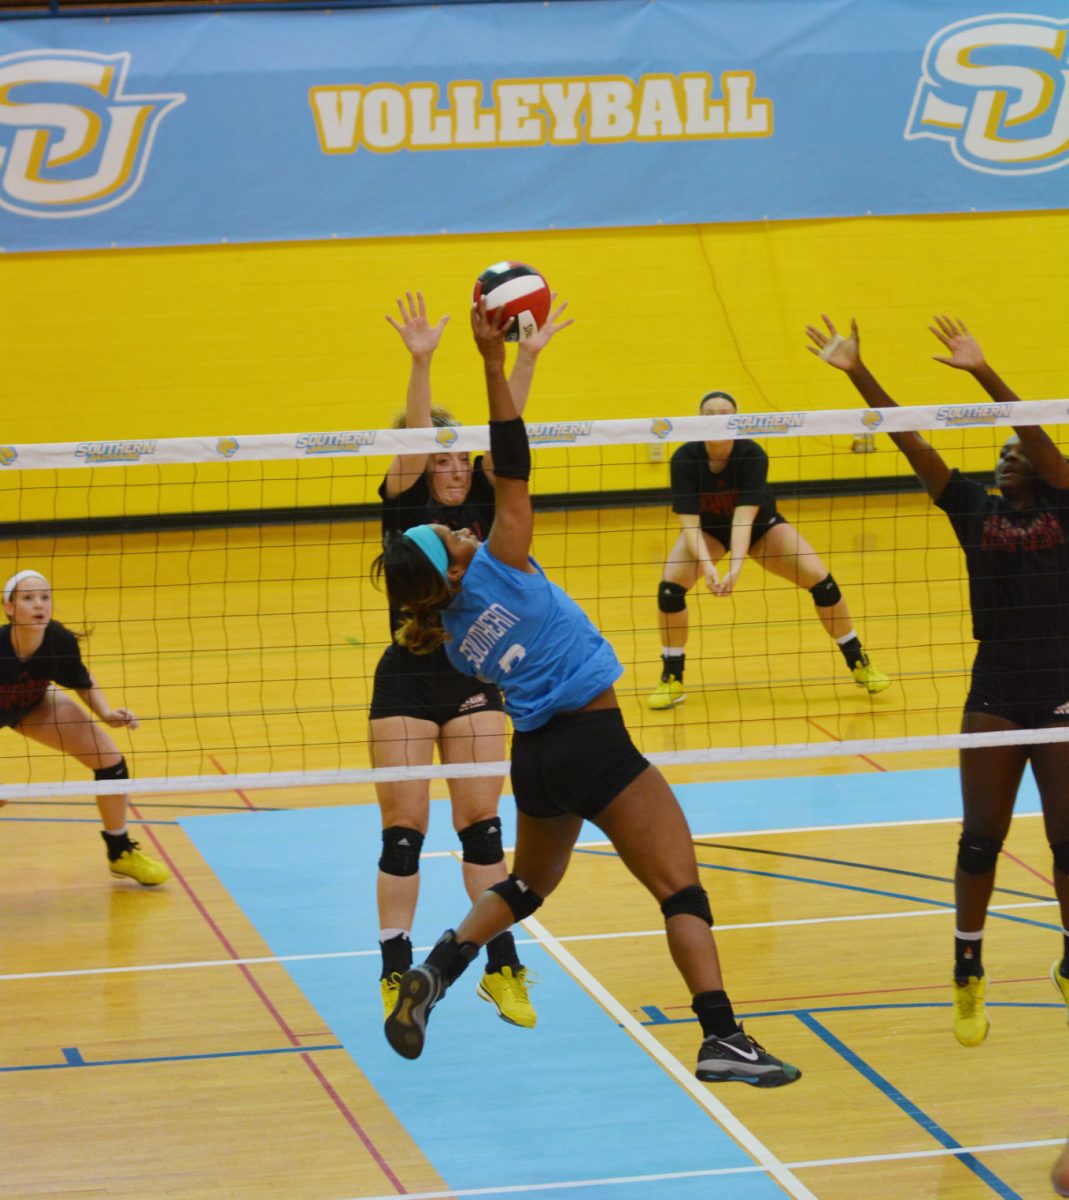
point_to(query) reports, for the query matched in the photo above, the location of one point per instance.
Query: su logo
(997, 89)
(72, 140)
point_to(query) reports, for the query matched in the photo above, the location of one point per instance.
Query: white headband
(15, 580)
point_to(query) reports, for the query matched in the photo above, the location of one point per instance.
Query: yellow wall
(291, 337)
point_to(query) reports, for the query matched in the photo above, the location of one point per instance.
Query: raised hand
(832, 347)
(418, 334)
(964, 350)
(552, 326)
(489, 329)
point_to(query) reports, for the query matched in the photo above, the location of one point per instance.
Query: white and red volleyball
(521, 291)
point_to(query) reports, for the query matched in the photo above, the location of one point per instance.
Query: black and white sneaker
(418, 991)
(740, 1059)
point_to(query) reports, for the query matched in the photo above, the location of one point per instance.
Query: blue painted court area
(486, 1099)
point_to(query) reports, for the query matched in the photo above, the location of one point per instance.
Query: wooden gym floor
(221, 1037)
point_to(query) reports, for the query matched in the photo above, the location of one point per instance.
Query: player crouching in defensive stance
(37, 652)
(497, 614)
(720, 493)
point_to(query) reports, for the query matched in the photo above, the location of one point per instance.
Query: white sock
(673, 651)
(116, 832)
(969, 937)
(386, 934)
(847, 638)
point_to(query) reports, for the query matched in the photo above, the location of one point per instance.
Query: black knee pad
(518, 896)
(671, 597)
(482, 842)
(119, 771)
(1061, 857)
(826, 593)
(977, 854)
(400, 851)
(692, 900)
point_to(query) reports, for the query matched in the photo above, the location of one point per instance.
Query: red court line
(864, 757)
(342, 1107)
(1030, 869)
(237, 791)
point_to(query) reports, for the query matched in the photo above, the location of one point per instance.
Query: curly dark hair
(415, 587)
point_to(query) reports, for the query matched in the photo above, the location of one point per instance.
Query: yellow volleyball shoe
(507, 991)
(668, 694)
(869, 677)
(390, 985)
(1061, 985)
(133, 864)
(970, 1016)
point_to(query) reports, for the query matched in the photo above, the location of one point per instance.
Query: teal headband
(432, 546)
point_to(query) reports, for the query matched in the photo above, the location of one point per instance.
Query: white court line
(715, 1172)
(724, 1117)
(268, 959)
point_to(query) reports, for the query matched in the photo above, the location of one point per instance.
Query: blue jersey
(528, 636)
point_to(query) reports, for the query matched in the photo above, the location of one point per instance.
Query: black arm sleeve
(510, 449)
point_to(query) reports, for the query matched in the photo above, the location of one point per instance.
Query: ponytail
(415, 587)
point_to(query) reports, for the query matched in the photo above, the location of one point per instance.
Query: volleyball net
(222, 588)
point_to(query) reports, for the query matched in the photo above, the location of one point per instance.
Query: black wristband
(510, 449)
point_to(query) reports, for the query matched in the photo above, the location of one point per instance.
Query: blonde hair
(441, 418)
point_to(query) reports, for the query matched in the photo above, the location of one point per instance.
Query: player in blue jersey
(421, 701)
(498, 615)
(1017, 556)
(36, 654)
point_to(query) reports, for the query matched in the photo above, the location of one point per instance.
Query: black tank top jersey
(697, 491)
(23, 684)
(417, 506)
(1018, 564)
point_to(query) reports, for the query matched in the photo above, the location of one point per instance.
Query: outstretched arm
(523, 368)
(964, 354)
(421, 340)
(527, 353)
(741, 535)
(513, 527)
(95, 700)
(844, 353)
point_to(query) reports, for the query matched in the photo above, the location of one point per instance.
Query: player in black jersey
(421, 701)
(36, 653)
(1017, 556)
(720, 492)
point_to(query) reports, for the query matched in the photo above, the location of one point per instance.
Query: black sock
(451, 957)
(713, 1010)
(967, 958)
(396, 955)
(117, 844)
(1063, 970)
(852, 652)
(501, 952)
(672, 667)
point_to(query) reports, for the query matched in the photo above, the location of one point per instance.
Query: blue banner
(193, 129)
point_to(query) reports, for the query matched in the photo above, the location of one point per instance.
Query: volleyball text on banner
(261, 126)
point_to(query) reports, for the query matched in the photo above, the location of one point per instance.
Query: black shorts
(1017, 688)
(723, 533)
(428, 687)
(10, 717)
(576, 763)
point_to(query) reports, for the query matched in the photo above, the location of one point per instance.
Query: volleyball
(521, 291)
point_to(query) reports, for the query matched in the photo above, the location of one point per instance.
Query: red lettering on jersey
(720, 503)
(1042, 533)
